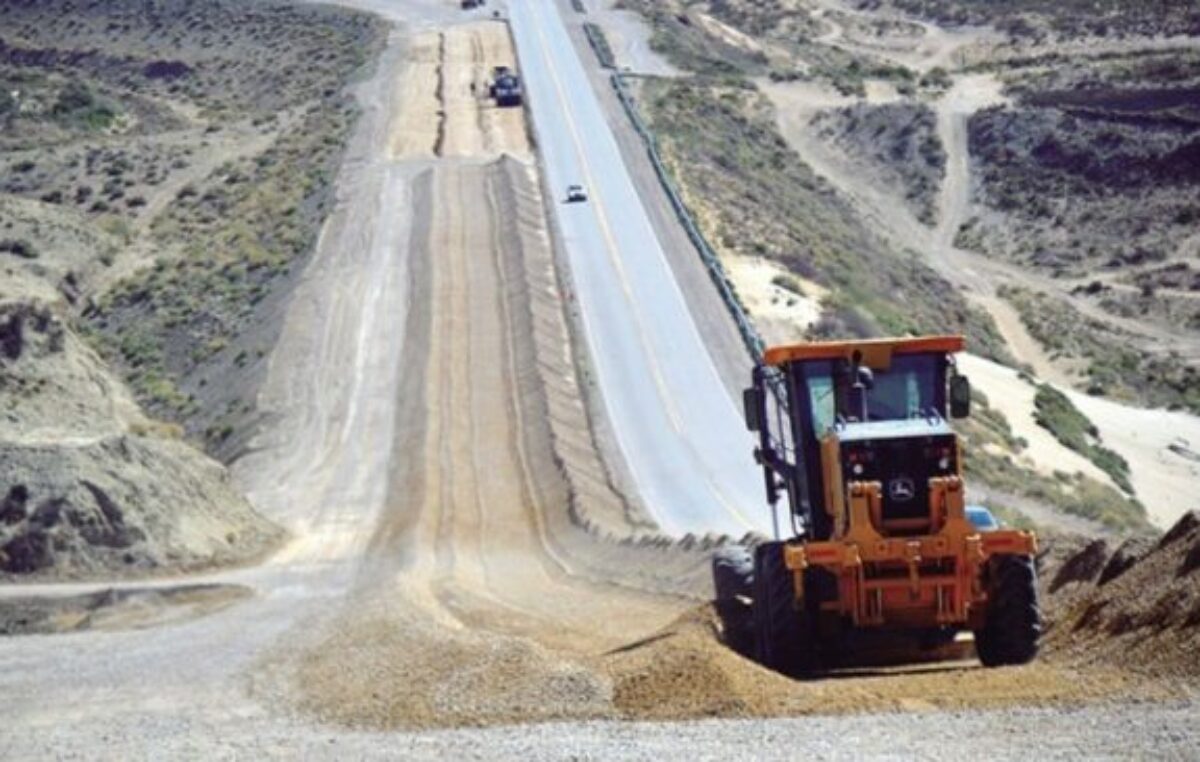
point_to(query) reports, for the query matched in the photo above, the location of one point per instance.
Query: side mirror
(866, 377)
(960, 396)
(751, 407)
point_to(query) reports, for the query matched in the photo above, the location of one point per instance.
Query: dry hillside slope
(165, 165)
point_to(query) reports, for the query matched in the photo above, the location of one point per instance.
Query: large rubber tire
(733, 572)
(783, 635)
(1013, 622)
(733, 579)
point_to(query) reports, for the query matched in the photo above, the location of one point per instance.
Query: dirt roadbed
(459, 557)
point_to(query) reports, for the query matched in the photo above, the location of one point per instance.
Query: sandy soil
(1137, 603)
(89, 485)
(780, 314)
(447, 111)
(112, 610)
(735, 38)
(465, 582)
(1162, 447)
(967, 95)
(416, 127)
(909, 42)
(1011, 395)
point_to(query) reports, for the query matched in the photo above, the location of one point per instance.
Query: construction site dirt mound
(1141, 609)
(686, 672)
(1082, 566)
(395, 670)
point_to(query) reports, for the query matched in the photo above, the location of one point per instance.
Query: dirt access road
(431, 456)
(427, 437)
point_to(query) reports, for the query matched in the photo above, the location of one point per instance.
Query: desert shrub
(77, 105)
(1055, 412)
(739, 174)
(19, 247)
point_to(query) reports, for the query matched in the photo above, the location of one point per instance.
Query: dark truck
(505, 87)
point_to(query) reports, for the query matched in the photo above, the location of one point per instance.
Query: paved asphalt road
(679, 430)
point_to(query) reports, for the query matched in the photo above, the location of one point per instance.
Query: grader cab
(856, 435)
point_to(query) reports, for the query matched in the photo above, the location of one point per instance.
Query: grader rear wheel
(733, 580)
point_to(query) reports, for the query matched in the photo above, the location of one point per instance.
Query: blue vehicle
(982, 518)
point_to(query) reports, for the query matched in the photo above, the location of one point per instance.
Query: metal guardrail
(754, 343)
(599, 42)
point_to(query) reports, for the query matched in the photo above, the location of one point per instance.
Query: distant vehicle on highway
(576, 193)
(469, 4)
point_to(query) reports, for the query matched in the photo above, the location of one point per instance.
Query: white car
(576, 193)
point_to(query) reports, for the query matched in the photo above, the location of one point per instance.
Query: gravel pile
(1137, 604)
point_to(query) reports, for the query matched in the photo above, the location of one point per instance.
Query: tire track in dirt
(483, 562)
(462, 584)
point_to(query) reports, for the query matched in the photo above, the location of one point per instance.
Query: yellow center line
(606, 230)
(611, 249)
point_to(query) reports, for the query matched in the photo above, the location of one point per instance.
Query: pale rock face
(88, 485)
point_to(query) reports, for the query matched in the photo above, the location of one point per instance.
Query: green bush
(1056, 413)
(78, 105)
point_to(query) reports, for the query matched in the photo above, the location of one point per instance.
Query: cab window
(905, 390)
(822, 400)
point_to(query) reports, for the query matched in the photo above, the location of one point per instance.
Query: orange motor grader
(881, 542)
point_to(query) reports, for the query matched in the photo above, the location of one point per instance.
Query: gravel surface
(1115, 731)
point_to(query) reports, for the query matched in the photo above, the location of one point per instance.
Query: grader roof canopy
(876, 353)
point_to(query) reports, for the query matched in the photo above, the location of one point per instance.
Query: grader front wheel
(1013, 623)
(783, 633)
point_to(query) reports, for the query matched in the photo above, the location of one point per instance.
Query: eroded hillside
(165, 169)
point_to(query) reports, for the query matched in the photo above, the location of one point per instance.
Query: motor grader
(880, 544)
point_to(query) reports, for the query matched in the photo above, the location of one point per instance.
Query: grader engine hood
(902, 456)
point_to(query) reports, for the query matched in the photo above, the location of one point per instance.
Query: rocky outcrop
(91, 487)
